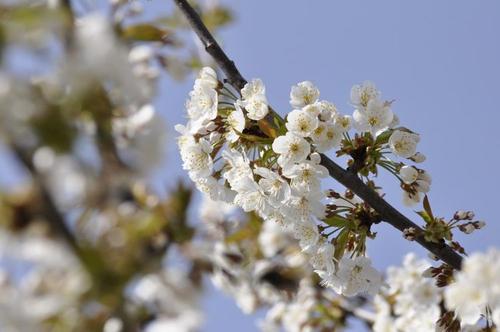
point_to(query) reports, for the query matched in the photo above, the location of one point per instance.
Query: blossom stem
(225, 88)
(226, 103)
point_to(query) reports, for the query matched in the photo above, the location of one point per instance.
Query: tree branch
(211, 46)
(388, 213)
(350, 180)
(50, 210)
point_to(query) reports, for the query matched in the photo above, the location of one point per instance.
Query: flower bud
(418, 157)
(410, 233)
(479, 224)
(333, 194)
(467, 228)
(463, 215)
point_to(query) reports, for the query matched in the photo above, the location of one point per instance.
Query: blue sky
(437, 59)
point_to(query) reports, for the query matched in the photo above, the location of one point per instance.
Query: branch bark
(350, 180)
(211, 46)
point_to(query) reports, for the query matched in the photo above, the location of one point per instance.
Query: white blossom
(156, 291)
(375, 117)
(327, 110)
(409, 301)
(403, 144)
(251, 197)
(246, 299)
(344, 122)
(303, 94)
(322, 257)
(302, 205)
(408, 174)
(91, 62)
(256, 107)
(272, 239)
(274, 186)
(476, 286)
(202, 106)
(353, 276)
(254, 100)
(330, 137)
(410, 199)
(291, 148)
(418, 157)
(362, 94)
(306, 176)
(236, 122)
(423, 181)
(214, 189)
(307, 233)
(301, 123)
(253, 88)
(207, 77)
(197, 159)
(239, 169)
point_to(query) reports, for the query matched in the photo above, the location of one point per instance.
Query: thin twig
(388, 213)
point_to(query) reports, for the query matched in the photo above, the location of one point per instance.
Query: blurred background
(437, 60)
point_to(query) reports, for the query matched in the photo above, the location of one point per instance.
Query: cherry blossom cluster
(234, 155)
(409, 302)
(273, 178)
(415, 298)
(228, 157)
(379, 136)
(50, 285)
(262, 266)
(475, 292)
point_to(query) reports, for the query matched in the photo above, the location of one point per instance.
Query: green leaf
(217, 17)
(427, 207)
(256, 139)
(268, 154)
(336, 221)
(383, 138)
(340, 243)
(425, 216)
(145, 32)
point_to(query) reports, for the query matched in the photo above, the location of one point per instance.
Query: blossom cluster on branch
(228, 153)
(228, 157)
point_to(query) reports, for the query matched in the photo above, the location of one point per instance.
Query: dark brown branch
(211, 46)
(348, 179)
(388, 213)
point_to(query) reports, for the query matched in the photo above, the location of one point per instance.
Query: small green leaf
(425, 216)
(383, 138)
(217, 17)
(340, 243)
(145, 32)
(268, 128)
(427, 207)
(336, 221)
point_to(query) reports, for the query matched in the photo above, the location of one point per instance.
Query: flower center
(373, 121)
(294, 147)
